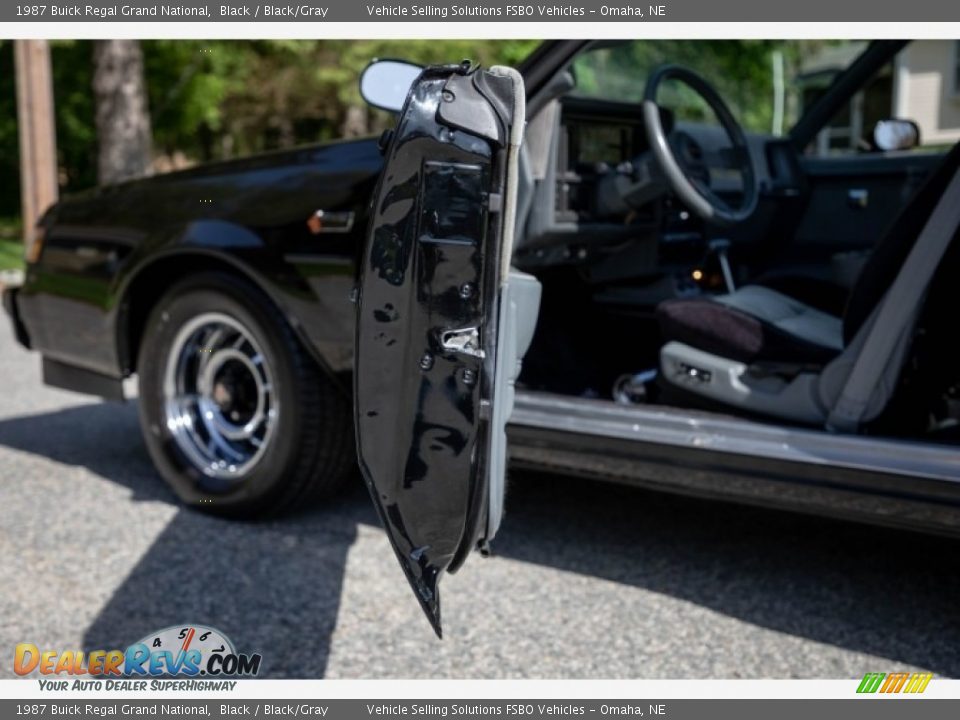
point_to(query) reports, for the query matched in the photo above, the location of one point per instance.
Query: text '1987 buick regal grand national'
(758, 316)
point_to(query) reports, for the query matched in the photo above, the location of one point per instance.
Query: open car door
(442, 322)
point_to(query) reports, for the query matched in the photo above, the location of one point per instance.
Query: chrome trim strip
(706, 431)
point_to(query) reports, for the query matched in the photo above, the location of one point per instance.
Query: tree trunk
(123, 118)
(355, 124)
(38, 135)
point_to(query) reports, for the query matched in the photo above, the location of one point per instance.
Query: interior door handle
(858, 197)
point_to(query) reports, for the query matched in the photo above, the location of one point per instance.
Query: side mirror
(893, 134)
(384, 84)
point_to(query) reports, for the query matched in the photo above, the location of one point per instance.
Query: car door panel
(433, 277)
(853, 199)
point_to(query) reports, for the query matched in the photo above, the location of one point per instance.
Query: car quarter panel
(81, 300)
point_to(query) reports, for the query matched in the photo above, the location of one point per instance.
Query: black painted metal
(248, 214)
(422, 409)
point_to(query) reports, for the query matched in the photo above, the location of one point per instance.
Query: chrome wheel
(219, 401)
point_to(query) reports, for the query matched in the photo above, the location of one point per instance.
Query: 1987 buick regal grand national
(702, 309)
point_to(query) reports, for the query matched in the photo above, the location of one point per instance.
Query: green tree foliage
(219, 99)
(742, 71)
(76, 134)
(9, 158)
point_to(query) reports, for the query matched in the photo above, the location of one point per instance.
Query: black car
(699, 308)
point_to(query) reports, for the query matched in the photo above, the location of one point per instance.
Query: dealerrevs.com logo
(178, 651)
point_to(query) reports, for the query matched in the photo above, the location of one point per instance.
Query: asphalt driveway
(589, 580)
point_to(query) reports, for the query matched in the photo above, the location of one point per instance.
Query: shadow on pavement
(272, 587)
(275, 586)
(889, 593)
(102, 437)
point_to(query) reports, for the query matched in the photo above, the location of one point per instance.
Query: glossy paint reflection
(419, 402)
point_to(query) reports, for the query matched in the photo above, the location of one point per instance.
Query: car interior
(692, 259)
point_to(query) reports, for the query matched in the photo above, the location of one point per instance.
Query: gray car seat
(763, 351)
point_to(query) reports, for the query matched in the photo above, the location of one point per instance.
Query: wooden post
(37, 129)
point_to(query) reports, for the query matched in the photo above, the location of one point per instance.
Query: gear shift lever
(720, 248)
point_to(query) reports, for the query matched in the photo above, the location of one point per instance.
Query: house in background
(922, 84)
(927, 89)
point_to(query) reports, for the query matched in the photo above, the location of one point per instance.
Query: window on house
(956, 67)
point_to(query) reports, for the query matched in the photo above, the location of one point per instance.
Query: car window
(922, 84)
(760, 80)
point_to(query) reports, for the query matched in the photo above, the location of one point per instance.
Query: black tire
(310, 453)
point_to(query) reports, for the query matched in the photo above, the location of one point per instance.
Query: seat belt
(897, 312)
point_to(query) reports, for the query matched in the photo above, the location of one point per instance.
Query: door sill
(715, 433)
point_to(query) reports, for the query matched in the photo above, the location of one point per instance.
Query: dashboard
(596, 137)
(607, 210)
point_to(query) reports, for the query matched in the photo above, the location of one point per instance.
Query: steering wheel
(693, 191)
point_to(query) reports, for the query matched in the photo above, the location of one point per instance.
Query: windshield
(766, 83)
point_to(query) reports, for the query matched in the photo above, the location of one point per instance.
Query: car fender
(212, 244)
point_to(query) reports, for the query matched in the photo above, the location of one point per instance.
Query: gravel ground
(589, 580)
